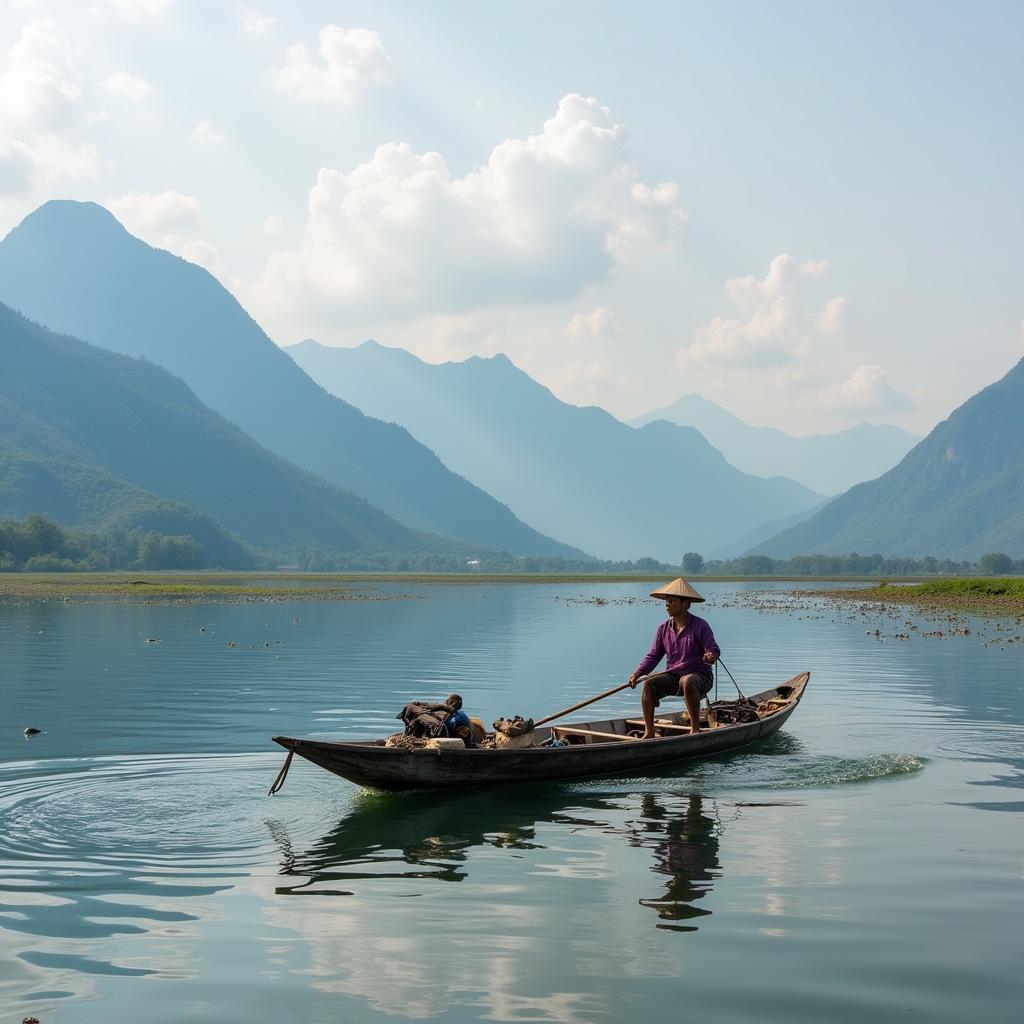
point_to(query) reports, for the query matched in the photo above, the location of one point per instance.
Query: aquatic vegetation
(977, 594)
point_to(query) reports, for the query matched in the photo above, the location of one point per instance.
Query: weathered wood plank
(565, 729)
(670, 726)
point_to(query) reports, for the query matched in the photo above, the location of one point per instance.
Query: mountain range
(72, 267)
(95, 439)
(829, 463)
(156, 403)
(573, 472)
(958, 494)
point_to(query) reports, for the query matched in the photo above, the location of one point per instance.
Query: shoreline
(967, 594)
(245, 587)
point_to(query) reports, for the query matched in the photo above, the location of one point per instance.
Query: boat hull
(371, 764)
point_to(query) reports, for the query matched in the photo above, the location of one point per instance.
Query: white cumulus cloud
(146, 213)
(399, 235)
(350, 59)
(775, 326)
(120, 83)
(788, 341)
(599, 323)
(866, 392)
(830, 320)
(752, 293)
(38, 85)
(41, 112)
(168, 220)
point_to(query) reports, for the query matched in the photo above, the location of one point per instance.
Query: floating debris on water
(887, 619)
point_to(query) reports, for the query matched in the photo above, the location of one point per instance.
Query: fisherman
(458, 724)
(423, 720)
(689, 646)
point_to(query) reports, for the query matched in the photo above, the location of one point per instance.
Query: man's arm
(653, 656)
(712, 651)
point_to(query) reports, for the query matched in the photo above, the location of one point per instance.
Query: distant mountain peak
(88, 235)
(697, 398)
(828, 463)
(73, 214)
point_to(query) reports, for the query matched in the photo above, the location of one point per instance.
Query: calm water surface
(865, 863)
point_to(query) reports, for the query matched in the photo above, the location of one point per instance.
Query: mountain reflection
(685, 846)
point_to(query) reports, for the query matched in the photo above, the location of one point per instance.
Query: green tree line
(38, 544)
(993, 564)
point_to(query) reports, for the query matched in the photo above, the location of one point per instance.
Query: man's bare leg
(648, 702)
(692, 696)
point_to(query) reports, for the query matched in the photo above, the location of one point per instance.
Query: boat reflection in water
(431, 837)
(684, 841)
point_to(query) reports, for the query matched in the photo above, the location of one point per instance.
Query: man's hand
(710, 657)
(633, 680)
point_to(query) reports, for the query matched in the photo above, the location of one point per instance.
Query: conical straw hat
(677, 588)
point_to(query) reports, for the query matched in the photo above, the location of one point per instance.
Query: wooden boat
(587, 748)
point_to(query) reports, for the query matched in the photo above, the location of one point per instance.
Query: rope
(734, 683)
(282, 774)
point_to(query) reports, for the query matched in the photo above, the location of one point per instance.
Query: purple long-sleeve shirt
(684, 652)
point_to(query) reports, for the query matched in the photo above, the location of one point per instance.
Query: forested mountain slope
(958, 494)
(74, 268)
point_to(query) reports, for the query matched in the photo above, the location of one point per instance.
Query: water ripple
(158, 813)
(807, 771)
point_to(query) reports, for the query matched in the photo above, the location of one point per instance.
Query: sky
(808, 212)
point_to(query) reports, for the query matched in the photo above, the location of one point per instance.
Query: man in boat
(689, 647)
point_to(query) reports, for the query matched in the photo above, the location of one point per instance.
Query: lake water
(865, 863)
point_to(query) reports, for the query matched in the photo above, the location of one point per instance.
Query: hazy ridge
(829, 463)
(575, 472)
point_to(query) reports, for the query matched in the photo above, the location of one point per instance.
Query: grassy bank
(158, 586)
(249, 586)
(1000, 594)
(199, 587)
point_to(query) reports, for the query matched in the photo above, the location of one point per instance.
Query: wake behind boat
(603, 747)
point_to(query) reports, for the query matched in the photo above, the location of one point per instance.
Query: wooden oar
(584, 703)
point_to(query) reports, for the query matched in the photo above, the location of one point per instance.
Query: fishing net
(731, 712)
